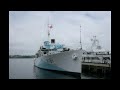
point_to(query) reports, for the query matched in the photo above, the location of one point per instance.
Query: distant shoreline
(19, 57)
(22, 56)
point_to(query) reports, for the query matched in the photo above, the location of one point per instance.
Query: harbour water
(23, 68)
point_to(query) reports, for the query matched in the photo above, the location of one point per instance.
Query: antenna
(80, 38)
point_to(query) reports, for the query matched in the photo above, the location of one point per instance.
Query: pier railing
(97, 61)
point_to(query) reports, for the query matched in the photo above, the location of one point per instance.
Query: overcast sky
(28, 29)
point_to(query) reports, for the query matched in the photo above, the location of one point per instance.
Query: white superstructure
(97, 54)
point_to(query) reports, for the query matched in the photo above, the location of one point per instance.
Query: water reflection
(24, 68)
(45, 74)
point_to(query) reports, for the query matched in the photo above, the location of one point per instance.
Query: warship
(57, 57)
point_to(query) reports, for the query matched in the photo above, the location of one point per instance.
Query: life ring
(74, 56)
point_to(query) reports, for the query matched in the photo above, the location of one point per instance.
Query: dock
(97, 69)
(96, 64)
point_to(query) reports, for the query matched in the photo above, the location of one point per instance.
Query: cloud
(28, 29)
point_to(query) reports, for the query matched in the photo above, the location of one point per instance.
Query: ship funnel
(52, 41)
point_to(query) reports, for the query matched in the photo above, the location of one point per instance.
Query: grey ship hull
(63, 62)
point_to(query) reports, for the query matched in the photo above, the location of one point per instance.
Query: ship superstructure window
(91, 58)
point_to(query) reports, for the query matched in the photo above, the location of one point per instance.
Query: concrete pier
(96, 69)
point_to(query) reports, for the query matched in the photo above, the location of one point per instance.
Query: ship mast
(48, 30)
(80, 38)
(95, 43)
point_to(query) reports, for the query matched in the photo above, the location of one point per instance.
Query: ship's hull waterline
(64, 62)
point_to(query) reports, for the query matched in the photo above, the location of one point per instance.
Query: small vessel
(97, 54)
(59, 58)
